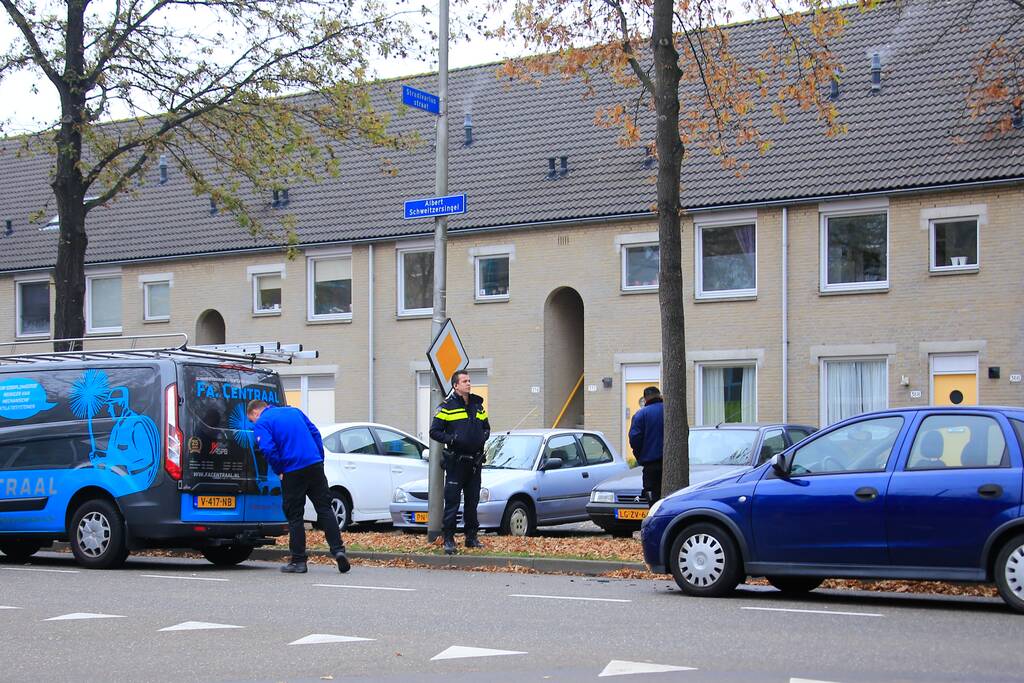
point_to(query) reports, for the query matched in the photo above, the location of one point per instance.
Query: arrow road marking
(365, 588)
(197, 626)
(84, 615)
(460, 652)
(183, 578)
(813, 611)
(566, 597)
(317, 638)
(617, 667)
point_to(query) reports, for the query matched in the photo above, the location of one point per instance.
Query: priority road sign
(435, 206)
(421, 100)
(447, 354)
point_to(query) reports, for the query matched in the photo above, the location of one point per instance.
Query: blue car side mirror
(781, 463)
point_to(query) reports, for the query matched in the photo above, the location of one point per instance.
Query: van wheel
(227, 555)
(518, 520)
(795, 585)
(1009, 571)
(19, 551)
(705, 562)
(97, 535)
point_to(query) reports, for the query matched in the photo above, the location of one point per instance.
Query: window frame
(698, 260)
(18, 332)
(823, 381)
(477, 296)
(699, 385)
(311, 287)
(851, 287)
(623, 268)
(404, 312)
(146, 315)
(966, 268)
(256, 310)
(89, 327)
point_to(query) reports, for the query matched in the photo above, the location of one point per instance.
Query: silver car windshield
(511, 452)
(721, 446)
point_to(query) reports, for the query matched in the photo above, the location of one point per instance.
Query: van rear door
(224, 476)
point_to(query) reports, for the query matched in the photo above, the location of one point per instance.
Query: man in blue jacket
(646, 437)
(294, 450)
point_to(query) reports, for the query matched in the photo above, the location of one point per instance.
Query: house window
(103, 303)
(492, 277)
(728, 261)
(415, 282)
(33, 304)
(157, 300)
(853, 386)
(854, 251)
(313, 394)
(330, 288)
(954, 244)
(640, 264)
(728, 393)
(266, 293)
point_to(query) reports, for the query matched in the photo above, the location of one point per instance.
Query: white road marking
(461, 652)
(8, 607)
(183, 578)
(617, 667)
(813, 611)
(38, 569)
(566, 597)
(365, 588)
(807, 680)
(84, 615)
(197, 626)
(317, 638)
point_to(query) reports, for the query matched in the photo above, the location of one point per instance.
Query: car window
(401, 445)
(332, 442)
(357, 440)
(511, 452)
(958, 441)
(722, 446)
(863, 446)
(774, 442)
(798, 434)
(595, 449)
(564, 446)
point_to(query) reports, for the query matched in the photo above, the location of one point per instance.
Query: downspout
(369, 321)
(785, 313)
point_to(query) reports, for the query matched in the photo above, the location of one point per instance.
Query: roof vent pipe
(467, 125)
(1018, 121)
(552, 173)
(8, 228)
(650, 161)
(876, 72)
(565, 167)
(833, 93)
(163, 169)
(213, 206)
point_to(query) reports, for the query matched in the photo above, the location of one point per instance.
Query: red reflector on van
(199, 528)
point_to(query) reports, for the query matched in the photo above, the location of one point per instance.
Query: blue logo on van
(22, 398)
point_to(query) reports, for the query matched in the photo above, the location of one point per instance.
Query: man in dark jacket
(646, 437)
(294, 450)
(461, 425)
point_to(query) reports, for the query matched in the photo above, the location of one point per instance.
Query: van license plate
(217, 502)
(621, 513)
(419, 517)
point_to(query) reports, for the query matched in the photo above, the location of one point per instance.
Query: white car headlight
(602, 496)
(400, 496)
(655, 507)
(485, 495)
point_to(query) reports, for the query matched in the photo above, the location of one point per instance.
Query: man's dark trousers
(461, 478)
(652, 479)
(295, 486)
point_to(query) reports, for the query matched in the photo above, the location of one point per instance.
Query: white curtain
(748, 407)
(854, 387)
(713, 384)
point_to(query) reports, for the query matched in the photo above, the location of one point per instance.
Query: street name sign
(421, 100)
(435, 206)
(447, 354)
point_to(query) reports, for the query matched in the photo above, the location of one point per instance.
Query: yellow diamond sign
(447, 354)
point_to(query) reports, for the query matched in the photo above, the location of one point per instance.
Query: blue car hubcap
(701, 560)
(1015, 571)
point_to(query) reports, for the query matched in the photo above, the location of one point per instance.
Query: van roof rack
(258, 353)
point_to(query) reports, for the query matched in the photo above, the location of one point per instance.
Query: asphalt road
(183, 620)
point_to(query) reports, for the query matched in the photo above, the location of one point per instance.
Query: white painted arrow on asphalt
(84, 615)
(197, 626)
(617, 667)
(317, 638)
(459, 652)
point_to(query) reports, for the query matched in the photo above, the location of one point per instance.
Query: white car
(364, 463)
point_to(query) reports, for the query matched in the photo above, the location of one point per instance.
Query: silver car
(530, 478)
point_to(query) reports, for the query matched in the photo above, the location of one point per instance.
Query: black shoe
(449, 545)
(294, 568)
(342, 560)
(473, 542)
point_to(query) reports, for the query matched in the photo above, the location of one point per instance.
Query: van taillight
(172, 435)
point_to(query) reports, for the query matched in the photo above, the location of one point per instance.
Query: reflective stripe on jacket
(460, 427)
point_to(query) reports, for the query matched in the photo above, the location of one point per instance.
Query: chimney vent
(8, 228)
(163, 169)
(564, 171)
(833, 93)
(213, 206)
(1018, 122)
(876, 72)
(467, 126)
(284, 197)
(650, 161)
(552, 173)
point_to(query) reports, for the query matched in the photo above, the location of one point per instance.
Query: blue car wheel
(704, 561)
(1009, 573)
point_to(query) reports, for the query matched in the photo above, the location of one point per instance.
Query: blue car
(924, 493)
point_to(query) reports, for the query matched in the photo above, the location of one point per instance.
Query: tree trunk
(69, 189)
(676, 463)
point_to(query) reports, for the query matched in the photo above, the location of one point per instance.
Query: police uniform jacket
(462, 428)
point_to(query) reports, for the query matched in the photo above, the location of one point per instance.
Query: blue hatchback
(924, 493)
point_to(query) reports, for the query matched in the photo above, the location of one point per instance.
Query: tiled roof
(915, 132)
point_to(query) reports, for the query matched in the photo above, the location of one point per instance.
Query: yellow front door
(959, 389)
(634, 392)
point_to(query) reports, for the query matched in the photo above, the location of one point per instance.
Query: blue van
(116, 451)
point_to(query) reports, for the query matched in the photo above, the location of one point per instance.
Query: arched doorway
(563, 357)
(210, 328)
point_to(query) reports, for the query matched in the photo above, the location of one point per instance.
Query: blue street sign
(435, 206)
(421, 100)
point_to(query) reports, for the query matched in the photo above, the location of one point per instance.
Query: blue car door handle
(866, 493)
(990, 490)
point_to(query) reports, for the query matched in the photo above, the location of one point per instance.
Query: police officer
(461, 425)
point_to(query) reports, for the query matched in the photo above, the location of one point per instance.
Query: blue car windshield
(511, 451)
(721, 446)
